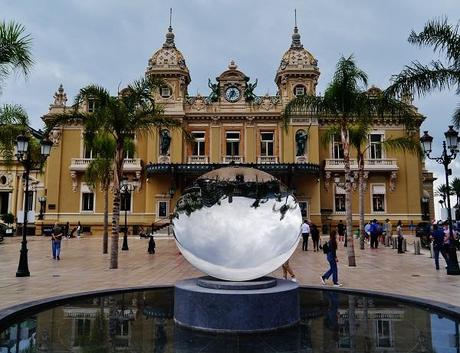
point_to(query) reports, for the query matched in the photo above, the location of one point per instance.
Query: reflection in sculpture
(215, 91)
(237, 223)
(300, 139)
(249, 94)
(165, 140)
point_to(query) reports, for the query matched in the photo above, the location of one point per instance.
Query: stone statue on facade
(300, 139)
(249, 94)
(215, 91)
(165, 141)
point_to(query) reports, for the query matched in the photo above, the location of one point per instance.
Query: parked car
(6, 230)
(423, 231)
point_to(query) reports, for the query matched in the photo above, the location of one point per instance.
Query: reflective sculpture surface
(237, 224)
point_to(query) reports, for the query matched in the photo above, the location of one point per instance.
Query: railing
(198, 159)
(80, 164)
(384, 164)
(235, 159)
(267, 159)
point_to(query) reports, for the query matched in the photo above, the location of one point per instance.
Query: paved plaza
(83, 268)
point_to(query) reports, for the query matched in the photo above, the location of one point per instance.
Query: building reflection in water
(143, 322)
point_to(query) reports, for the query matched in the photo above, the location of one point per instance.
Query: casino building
(233, 125)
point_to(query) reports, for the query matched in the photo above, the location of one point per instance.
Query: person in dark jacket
(315, 237)
(332, 259)
(152, 245)
(438, 244)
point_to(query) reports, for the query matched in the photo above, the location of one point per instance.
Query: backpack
(326, 248)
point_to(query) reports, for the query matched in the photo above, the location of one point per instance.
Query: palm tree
(444, 38)
(15, 48)
(455, 187)
(103, 147)
(442, 191)
(13, 121)
(345, 102)
(132, 111)
(359, 139)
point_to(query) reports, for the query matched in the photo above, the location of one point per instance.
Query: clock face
(232, 94)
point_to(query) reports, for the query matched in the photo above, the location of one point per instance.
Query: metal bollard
(404, 245)
(431, 250)
(417, 246)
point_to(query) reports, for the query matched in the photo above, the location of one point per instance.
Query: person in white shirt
(305, 230)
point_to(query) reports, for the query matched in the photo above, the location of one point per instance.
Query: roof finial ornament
(296, 44)
(169, 43)
(60, 97)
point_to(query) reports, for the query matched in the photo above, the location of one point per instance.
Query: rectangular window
(30, 201)
(339, 199)
(91, 105)
(88, 152)
(4, 202)
(378, 198)
(82, 331)
(383, 334)
(233, 143)
(266, 143)
(125, 201)
(198, 143)
(299, 90)
(162, 209)
(87, 201)
(375, 146)
(337, 148)
(165, 91)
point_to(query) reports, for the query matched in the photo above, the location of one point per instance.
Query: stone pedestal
(213, 305)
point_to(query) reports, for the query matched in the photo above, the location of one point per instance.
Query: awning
(194, 169)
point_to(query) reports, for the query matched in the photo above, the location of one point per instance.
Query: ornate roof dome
(297, 59)
(168, 59)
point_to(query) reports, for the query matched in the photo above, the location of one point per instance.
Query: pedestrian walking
(315, 237)
(305, 230)
(341, 230)
(56, 238)
(330, 248)
(287, 269)
(367, 231)
(438, 244)
(388, 229)
(66, 230)
(399, 232)
(152, 245)
(78, 229)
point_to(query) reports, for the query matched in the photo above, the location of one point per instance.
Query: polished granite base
(220, 306)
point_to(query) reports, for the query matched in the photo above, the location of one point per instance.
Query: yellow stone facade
(232, 125)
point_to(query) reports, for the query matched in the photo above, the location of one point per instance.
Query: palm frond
(328, 135)
(405, 143)
(456, 117)
(15, 49)
(13, 121)
(422, 79)
(441, 35)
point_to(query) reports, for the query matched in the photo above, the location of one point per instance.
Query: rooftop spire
(169, 43)
(296, 44)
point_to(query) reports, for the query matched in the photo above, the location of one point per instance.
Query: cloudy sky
(77, 42)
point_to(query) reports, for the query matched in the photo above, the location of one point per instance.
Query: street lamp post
(126, 190)
(349, 180)
(24, 156)
(451, 143)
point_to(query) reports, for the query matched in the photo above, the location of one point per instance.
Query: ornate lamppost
(452, 144)
(24, 156)
(349, 180)
(126, 189)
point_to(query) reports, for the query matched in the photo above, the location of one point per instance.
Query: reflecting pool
(143, 322)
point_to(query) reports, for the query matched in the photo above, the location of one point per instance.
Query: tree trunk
(361, 199)
(348, 189)
(117, 176)
(105, 237)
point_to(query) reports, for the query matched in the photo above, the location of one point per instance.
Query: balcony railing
(198, 159)
(129, 164)
(267, 159)
(384, 164)
(235, 159)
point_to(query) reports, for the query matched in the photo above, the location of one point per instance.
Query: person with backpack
(330, 249)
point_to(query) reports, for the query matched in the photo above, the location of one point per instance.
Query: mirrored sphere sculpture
(237, 223)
